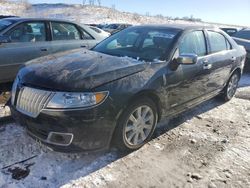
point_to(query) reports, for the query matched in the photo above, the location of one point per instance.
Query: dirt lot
(208, 146)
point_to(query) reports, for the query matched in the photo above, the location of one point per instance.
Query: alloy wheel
(232, 85)
(139, 125)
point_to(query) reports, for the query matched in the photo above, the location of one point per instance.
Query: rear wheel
(231, 87)
(136, 125)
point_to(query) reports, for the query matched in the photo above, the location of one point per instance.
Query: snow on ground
(220, 156)
(211, 140)
(47, 168)
(205, 151)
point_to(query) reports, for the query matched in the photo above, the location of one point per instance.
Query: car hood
(77, 70)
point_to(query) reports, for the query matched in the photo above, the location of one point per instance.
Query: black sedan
(117, 92)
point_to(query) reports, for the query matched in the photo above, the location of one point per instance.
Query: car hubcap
(232, 86)
(139, 125)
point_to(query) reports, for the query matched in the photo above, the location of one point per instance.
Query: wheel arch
(148, 94)
(152, 96)
(237, 70)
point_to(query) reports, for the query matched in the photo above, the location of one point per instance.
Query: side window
(193, 43)
(217, 42)
(64, 31)
(29, 32)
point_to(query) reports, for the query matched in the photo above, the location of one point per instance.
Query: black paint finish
(173, 87)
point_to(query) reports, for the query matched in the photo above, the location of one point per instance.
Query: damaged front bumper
(71, 130)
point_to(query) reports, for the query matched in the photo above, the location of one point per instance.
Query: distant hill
(92, 14)
(85, 14)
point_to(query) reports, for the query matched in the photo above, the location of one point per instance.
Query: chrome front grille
(31, 101)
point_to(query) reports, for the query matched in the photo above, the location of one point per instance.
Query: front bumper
(84, 129)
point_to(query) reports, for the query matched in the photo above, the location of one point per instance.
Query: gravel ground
(208, 146)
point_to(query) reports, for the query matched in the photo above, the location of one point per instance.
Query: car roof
(179, 26)
(17, 19)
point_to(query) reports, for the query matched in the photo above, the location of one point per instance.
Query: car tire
(231, 87)
(136, 125)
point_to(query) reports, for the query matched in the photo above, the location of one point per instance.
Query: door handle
(83, 46)
(44, 49)
(206, 65)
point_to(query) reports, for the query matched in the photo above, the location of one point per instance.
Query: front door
(185, 83)
(27, 41)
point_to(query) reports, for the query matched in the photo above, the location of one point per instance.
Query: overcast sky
(221, 11)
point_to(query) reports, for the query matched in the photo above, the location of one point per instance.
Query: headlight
(76, 100)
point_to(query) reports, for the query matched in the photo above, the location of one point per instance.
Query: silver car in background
(23, 39)
(100, 31)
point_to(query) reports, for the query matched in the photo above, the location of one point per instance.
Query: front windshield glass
(5, 23)
(142, 43)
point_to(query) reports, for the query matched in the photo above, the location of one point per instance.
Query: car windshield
(146, 44)
(5, 23)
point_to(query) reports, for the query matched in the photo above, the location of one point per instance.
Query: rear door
(66, 36)
(219, 62)
(28, 40)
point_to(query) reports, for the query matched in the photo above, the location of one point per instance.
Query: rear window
(217, 42)
(229, 31)
(244, 34)
(97, 30)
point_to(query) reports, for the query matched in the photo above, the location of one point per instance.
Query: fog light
(61, 139)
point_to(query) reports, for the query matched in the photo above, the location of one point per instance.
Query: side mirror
(4, 39)
(187, 59)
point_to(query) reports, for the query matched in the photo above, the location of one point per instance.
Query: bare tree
(91, 2)
(26, 3)
(99, 2)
